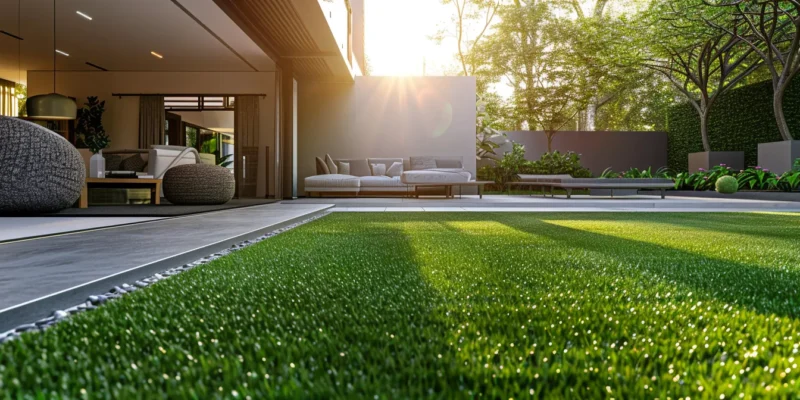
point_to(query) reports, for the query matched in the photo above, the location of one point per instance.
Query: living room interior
(196, 76)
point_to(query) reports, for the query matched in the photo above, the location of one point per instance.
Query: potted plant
(91, 134)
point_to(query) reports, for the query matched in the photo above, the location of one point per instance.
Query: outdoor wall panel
(599, 150)
(386, 117)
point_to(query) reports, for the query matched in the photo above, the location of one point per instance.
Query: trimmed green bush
(514, 163)
(450, 305)
(727, 185)
(739, 121)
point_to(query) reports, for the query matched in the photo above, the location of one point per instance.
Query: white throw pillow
(344, 168)
(378, 169)
(422, 163)
(395, 170)
(331, 165)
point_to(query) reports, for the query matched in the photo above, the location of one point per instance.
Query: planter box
(744, 195)
(709, 159)
(778, 157)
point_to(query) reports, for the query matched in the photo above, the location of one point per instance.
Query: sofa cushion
(358, 166)
(112, 161)
(449, 163)
(133, 163)
(378, 169)
(332, 181)
(344, 168)
(380, 182)
(420, 163)
(332, 168)
(385, 161)
(396, 169)
(322, 168)
(431, 176)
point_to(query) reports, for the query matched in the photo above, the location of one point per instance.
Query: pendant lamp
(52, 106)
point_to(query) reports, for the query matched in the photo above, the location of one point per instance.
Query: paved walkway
(522, 203)
(15, 228)
(37, 275)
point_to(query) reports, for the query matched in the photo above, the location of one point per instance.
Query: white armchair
(162, 158)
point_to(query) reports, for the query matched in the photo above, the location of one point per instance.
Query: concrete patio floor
(16, 228)
(42, 274)
(524, 203)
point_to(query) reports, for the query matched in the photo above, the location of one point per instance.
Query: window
(198, 103)
(9, 103)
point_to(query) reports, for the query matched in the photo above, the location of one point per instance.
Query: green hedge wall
(739, 121)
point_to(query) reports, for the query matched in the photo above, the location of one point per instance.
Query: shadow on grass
(765, 289)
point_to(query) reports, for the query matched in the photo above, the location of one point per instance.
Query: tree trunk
(591, 116)
(704, 130)
(777, 105)
(550, 141)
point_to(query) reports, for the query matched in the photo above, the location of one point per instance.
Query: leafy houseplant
(89, 126)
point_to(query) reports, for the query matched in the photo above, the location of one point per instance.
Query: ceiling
(311, 35)
(121, 35)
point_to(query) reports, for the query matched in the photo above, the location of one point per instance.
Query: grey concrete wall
(386, 117)
(599, 150)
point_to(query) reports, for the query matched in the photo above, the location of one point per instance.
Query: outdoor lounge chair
(569, 183)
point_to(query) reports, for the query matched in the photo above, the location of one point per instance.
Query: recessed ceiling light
(156, 54)
(62, 53)
(83, 15)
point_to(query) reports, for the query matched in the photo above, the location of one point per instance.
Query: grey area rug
(162, 210)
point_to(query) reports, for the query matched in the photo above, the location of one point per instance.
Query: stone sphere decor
(40, 171)
(198, 184)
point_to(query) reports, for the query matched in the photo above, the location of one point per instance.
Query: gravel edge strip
(116, 292)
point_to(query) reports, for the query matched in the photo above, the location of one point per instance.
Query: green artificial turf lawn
(409, 305)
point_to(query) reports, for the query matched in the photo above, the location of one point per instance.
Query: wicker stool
(40, 171)
(198, 184)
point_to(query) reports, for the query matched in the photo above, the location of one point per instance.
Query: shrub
(662, 172)
(702, 179)
(556, 163)
(727, 185)
(753, 178)
(513, 163)
(757, 178)
(507, 168)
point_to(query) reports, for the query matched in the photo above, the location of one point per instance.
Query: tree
(605, 47)
(700, 65)
(527, 51)
(470, 17)
(770, 29)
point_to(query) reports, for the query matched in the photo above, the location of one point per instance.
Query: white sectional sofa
(362, 181)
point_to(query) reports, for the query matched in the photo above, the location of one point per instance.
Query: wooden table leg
(155, 194)
(83, 201)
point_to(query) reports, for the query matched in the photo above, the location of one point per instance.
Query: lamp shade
(51, 106)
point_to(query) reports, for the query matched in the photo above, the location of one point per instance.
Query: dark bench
(569, 184)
